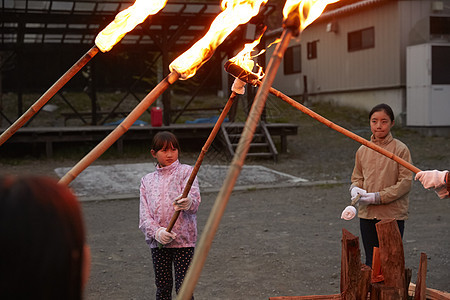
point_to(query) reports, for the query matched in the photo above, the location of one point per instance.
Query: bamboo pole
(202, 154)
(120, 129)
(217, 211)
(48, 94)
(240, 73)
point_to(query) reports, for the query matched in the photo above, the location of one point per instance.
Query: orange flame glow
(309, 10)
(127, 20)
(234, 13)
(244, 59)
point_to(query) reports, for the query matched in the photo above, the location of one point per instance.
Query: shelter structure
(39, 40)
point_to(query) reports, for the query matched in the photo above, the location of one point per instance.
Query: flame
(308, 10)
(125, 21)
(244, 59)
(234, 13)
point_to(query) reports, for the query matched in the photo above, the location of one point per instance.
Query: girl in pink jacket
(159, 199)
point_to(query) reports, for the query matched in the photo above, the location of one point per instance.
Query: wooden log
(311, 297)
(420, 292)
(392, 257)
(379, 291)
(431, 294)
(364, 282)
(350, 265)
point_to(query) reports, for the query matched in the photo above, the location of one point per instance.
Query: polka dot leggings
(162, 265)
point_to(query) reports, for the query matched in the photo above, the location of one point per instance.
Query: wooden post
(364, 282)
(381, 292)
(420, 291)
(392, 256)
(350, 265)
(355, 277)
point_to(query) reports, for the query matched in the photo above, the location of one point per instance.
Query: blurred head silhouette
(43, 253)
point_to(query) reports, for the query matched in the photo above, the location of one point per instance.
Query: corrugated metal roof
(350, 8)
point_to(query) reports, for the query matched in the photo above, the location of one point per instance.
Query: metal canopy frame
(76, 23)
(31, 26)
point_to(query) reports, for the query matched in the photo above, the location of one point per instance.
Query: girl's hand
(355, 191)
(182, 203)
(163, 237)
(348, 213)
(370, 198)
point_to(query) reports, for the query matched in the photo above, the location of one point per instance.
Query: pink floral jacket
(157, 192)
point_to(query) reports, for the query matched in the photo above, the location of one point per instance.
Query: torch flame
(235, 12)
(308, 10)
(244, 59)
(127, 20)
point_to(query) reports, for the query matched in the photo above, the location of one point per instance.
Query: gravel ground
(270, 242)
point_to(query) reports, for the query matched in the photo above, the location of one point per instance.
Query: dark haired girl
(159, 199)
(383, 184)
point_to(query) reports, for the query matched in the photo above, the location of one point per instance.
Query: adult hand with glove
(182, 203)
(370, 198)
(432, 179)
(355, 191)
(163, 237)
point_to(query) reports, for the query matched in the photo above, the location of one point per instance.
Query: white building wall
(366, 77)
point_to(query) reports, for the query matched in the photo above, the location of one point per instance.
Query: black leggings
(370, 237)
(162, 265)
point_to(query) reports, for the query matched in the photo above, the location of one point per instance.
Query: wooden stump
(392, 257)
(420, 291)
(355, 278)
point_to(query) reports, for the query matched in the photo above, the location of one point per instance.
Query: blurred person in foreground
(44, 254)
(437, 180)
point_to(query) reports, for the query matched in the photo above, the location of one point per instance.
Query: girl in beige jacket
(383, 184)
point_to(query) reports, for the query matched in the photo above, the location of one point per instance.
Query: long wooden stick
(120, 129)
(217, 211)
(48, 94)
(240, 73)
(202, 154)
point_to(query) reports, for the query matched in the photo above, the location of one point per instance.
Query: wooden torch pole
(120, 129)
(202, 154)
(240, 73)
(48, 94)
(201, 251)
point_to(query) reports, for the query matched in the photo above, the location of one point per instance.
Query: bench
(51, 135)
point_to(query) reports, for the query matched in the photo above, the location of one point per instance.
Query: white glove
(370, 198)
(182, 203)
(348, 213)
(431, 179)
(164, 237)
(355, 191)
(238, 86)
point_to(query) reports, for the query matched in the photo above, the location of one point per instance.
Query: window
(292, 60)
(361, 39)
(440, 57)
(439, 25)
(312, 49)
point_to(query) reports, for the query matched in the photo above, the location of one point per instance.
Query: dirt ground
(270, 242)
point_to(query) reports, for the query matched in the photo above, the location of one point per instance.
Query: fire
(127, 20)
(308, 10)
(234, 13)
(244, 59)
